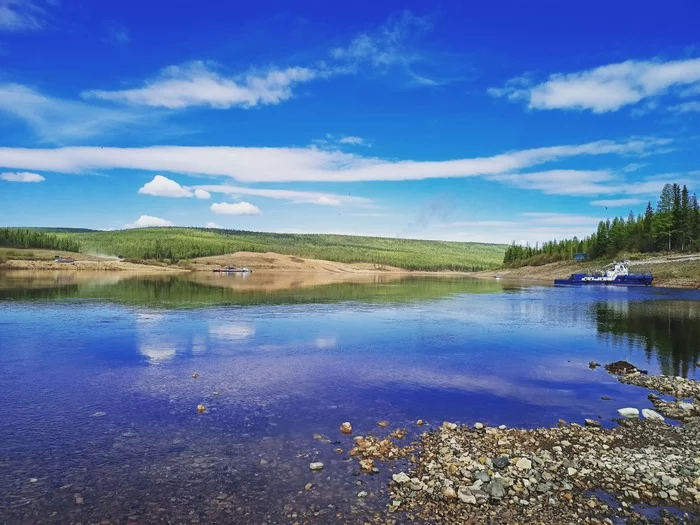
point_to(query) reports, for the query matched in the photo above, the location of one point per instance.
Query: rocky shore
(641, 471)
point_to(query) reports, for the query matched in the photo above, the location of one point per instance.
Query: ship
(232, 269)
(616, 274)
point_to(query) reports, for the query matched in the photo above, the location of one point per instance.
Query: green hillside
(177, 244)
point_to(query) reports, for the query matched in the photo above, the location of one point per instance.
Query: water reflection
(669, 330)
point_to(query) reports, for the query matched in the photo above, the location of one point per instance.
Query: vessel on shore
(232, 269)
(616, 274)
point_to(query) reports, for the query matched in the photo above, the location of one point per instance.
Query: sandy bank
(93, 265)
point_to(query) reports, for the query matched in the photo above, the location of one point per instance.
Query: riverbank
(639, 470)
(669, 272)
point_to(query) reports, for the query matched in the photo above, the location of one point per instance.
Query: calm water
(288, 356)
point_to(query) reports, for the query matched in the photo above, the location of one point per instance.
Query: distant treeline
(25, 238)
(673, 226)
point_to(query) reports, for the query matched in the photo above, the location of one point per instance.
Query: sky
(464, 121)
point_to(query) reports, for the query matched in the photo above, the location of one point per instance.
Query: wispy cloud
(148, 221)
(238, 208)
(299, 197)
(58, 120)
(392, 45)
(606, 88)
(199, 83)
(117, 34)
(21, 15)
(617, 203)
(686, 107)
(21, 176)
(311, 164)
(355, 141)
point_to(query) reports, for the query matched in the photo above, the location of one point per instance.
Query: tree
(662, 225)
(686, 220)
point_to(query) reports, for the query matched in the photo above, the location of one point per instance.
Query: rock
(338, 450)
(524, 464)
(367, 465)
(606, 398)
(346, 428)
(652, 415)
(449, 426)
(401, 477)
(621, 368)
(362, 494)
(478, 426)
(628, 412)
(33, 480)
(501, 427)
(466, 497)
(308, 486)
(592, 423)
(501, 462)
(99, 414)
(593, 365)
(571, 471)
(420, 422)
(263, 462)
(383, 423)
(495, 489)
(201, 408)
(78, 499)
(482, 475)
(685, 406)
(449, 493)
(195, 375)
(317, 465)
(215, 393)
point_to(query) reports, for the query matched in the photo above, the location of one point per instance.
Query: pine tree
(662, 225)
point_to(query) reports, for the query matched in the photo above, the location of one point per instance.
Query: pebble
(478, 426)
(308, 486)
(420, 422)
(449, 426)
(78, 499)
(685, 406)
(317, 465)
(362, 494)
(383, 423)
(449, 493)
(33, 480)
(99, 414)
(346, 428)
(201, 408)
(524, 464)
(592, 423)
(401, 477)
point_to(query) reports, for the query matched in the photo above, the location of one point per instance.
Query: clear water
(289, 356)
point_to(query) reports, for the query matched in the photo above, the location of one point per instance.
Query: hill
(177, 244)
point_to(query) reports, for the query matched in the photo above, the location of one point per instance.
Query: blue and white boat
(616, 274)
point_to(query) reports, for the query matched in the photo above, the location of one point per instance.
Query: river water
(99, 402)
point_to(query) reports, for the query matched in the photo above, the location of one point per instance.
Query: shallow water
(289, 356)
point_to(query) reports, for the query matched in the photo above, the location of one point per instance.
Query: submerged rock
(346, 428)
(621, 368)
(652, 414)
(316, 466)
(201, 408)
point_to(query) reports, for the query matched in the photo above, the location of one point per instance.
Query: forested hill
(673, 225)
(178, 244)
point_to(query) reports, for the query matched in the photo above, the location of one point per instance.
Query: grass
(187, 243)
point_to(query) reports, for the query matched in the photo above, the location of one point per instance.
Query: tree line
(674, 225)
(24, 238)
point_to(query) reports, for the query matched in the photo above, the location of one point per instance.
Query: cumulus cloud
(213, 225)
(202, 194)
(616, 203)
(306, 164)
(197, 83)
(148, 221)
(21, 15)
(239, 208)
(21, 176)
(164, 187)
(605, 88)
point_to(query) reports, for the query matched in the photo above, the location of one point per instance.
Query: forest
(672, 226)
(34, 238)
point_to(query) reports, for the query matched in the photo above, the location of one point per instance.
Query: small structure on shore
(61, 259)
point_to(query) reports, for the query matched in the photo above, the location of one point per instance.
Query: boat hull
(621, 280)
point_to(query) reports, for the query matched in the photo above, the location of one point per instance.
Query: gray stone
(501, 462)
(317, 465)
(524, 464)
(495, 489)
(628, 412)
(482, 475)
(652, 415)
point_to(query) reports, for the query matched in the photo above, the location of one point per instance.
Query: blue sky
(493, 122)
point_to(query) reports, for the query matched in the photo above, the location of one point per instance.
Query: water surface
(280, 358)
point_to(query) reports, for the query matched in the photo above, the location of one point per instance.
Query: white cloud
(21, 176)
(148, 221)
(605, 88)
(213, 225)
(616, 203)
(310, 164)
(164, 187)
(239, 208)
(56, 120)
(21, 15)
(298, 197)
(202, 194)
(686, 107)
(355, 141)
(198, 84)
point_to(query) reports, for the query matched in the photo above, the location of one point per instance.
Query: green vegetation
(175, 244)
(33, 238)
(182, 292)
(674, 226)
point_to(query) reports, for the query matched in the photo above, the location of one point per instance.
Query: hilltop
(182, 246)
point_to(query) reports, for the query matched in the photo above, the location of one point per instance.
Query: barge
(616, 274)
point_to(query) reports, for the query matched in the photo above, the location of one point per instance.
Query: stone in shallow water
(317, 465)
(652, 414)
(401, 477)
(346, 428)
(628, 412)
(592, 423)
